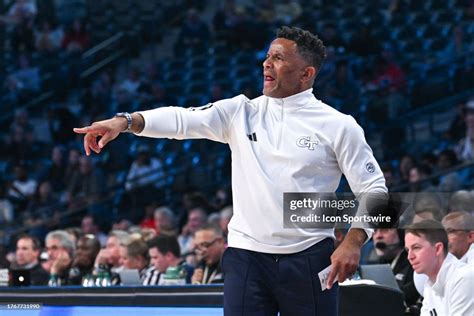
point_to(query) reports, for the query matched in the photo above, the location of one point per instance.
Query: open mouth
(268, 78)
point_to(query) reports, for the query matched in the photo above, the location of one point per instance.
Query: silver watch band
(128, 116)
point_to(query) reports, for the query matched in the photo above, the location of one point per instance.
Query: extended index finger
(83, 130)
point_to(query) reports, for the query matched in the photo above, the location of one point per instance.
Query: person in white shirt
(460, 228)
(448, 290)
(283, 141)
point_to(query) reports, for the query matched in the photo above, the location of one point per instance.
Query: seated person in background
(460, 229)
(110, 255)
(83, 263)
(134, 255)
(164, 252)
(61, 249)
(389, 248)
(210, 246)
(27, 258)
(448, 290)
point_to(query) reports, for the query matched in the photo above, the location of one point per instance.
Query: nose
(266, 63)
(411, 255)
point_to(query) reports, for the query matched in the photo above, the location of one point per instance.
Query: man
(460, 229)
(110, 255)
(83, 263)
(164, 253)
(448, 290)
(134, 255)
(60, 248)
(210, 246)
(389, 248)
(283, 141)
(27, 258)
(89, 225)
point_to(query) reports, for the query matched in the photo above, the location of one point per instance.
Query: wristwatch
(128, 116)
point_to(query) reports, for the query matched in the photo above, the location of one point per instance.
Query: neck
(175, 262)
(432, 275)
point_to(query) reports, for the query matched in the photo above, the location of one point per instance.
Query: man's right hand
(108, 130)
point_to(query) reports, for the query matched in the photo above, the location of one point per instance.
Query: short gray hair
(64, 239)
(122, 236)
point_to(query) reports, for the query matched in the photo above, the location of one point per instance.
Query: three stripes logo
(433, 312)
(252, 137)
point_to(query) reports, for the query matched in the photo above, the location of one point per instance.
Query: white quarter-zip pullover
(293, 144)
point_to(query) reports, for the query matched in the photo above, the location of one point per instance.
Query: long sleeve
(210, 121)
(358, 164)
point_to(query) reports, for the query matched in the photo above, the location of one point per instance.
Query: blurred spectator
(48, 38)
(144, 179)
(45, 204)
(165, 221)
(461, 201)
(55, 173)
(144, 171)
(450, 181)
(465, 149)
(6, 207)
(76, 39)
(390, 179)
(164, 253)
(389, 247)
(387, 74)
(457, 128)
(196, 219)
(86, 188)
(135, 256)
(288, 11)
(406, 163)
(417, 179)
(27, 75)
(123, 224)
(61, 249)
(427, 206)
(27, 258)
(460, 229)
(89, 226)
(72, 169)
(83, 263)
(23, 188)
(21, 11)
(110, 255)
(209, 244)
(75, 233)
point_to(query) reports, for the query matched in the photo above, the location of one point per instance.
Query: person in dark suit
(27, 258)
(389, 248)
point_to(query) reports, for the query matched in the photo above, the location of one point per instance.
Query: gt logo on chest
(307, 142)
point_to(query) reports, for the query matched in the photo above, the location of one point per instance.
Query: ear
(308, 74)
(470, 237)
(439, 249)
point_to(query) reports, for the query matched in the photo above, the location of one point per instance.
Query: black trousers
(259, 284)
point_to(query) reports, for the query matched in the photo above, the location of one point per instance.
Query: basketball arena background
(403, 69)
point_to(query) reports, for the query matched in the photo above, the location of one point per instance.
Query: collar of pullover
(293, 101)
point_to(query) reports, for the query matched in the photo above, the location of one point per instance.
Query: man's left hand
(345, 258)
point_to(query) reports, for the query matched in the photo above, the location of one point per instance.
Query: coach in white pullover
(283, 141)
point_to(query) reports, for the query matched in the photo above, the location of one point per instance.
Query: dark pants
(259, 284)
